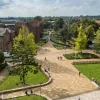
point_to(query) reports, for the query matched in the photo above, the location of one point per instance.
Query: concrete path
(66, 80)
(87, 96)
(5, 72)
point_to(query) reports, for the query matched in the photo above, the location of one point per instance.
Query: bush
(80, 56)
(57, 41)
(2, 66)
(97, 51)
(2, 58)
(86, 62)
(42, 42)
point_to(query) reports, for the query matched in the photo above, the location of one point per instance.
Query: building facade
(9, 31)
(34, 27)
(6, 38)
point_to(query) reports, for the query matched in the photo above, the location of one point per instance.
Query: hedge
(86, 62)
(80, 56)
(2, 66)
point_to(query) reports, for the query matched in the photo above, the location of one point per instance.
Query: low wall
(29, 87)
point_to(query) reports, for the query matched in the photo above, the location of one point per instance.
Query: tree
(59, 23)
(39, 18)
(73, 30)
(64, 34)
(80, 41)
(24, 49)
(90, 32)
(47, 25)
(2, 58)
(97, 41)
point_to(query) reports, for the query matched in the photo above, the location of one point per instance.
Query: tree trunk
(23, 79)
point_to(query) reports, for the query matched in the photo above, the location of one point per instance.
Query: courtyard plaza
(65, 77)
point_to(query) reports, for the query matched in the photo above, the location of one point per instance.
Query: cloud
(49, 7)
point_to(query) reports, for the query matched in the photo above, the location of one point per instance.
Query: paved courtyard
(66, 81)
(87, 96)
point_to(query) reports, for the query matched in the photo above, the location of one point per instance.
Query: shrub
(2, 58)
(80, 56)
(2, 66)
(42, 42)
(86, 62)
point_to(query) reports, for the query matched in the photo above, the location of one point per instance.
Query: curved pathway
(66, 81)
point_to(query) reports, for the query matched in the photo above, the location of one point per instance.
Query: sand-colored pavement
(66, 80)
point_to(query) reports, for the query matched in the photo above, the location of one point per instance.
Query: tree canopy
(81, 40)
(59, 23)
(97, 41)
(24, 49)
(39, 18)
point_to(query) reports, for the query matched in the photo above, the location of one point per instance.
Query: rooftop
(3, 30)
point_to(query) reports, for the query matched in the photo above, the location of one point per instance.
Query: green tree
(59, 23)
(73, 30)
(2, 58)
(47, 25)
(90, 32)
(64, 34)
(80, 41)
(97, 41)
(39, 18)
(24, 49)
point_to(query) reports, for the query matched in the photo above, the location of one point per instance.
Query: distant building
(98, 22)
(11, 30)
(34, 26)
(6, 38)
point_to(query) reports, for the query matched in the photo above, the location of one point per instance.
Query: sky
(31, 8)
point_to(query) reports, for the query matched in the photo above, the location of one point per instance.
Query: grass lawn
(80, 56)
(30, 97)
(32, 79)
(90, 70)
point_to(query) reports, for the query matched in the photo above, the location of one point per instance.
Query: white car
(7, 55)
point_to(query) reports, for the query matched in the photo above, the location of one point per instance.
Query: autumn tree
(24, 49)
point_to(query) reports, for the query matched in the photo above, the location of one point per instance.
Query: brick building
(6, 38)
(8, 32)
(34, 26)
